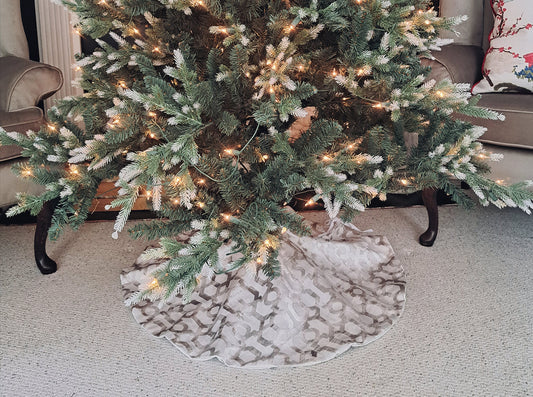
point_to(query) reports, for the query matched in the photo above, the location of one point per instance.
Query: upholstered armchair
(461, 62)
(23, 84)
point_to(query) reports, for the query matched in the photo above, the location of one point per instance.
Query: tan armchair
(23, 84)
(461, 62)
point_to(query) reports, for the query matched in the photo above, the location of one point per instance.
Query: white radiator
(58, 42)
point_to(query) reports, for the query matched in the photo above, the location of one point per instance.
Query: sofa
(461, 62)
(23, 84)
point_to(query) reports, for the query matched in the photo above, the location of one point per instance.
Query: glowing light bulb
(334, 73)
(309, 202)
(200, 204)
(499, 181)
(427, 21)
(283, 230)
(271, 90)
(122, 84)
(440, 94)
(226, 216)
(228, 151)
(300, 68)
(265, 157)
(51, 127)
(404, 182)
(377, 106)
(259, 261)
(175, 181)
(156, 49)
(201, 181)
(176, 201)
(152, 114)
(154, 283)
(326, 158)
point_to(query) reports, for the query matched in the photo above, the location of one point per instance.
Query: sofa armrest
(23, 83)
(456, 62)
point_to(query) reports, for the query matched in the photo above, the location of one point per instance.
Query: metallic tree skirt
(338, 289)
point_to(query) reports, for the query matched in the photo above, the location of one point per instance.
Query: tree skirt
(338, 289)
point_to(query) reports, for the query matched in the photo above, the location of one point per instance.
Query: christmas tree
(223, 112)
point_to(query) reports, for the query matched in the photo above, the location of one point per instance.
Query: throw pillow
(508, 64)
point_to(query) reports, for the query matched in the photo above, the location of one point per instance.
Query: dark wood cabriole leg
(44, 220)
(429, 197)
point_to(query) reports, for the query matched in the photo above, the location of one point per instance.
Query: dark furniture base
(429, 197)
(47, 266)
(44, 220)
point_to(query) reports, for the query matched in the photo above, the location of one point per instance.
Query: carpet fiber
(466, 329)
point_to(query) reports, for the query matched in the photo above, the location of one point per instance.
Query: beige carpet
(466, 329)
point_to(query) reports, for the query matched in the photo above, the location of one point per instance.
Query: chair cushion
(516, 130)
(11, 184)
(19, 121)
(516, 165)
(24, 83)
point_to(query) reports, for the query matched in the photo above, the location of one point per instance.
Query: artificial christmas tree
(223, 112)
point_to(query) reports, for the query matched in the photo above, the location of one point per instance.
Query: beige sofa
(23, 84)
(461, 62)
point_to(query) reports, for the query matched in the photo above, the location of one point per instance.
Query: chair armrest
(457, 62)
(23, 83)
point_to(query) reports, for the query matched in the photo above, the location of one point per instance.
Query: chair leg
(429, 197)
(44, 220)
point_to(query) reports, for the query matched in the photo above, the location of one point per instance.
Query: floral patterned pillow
(508, 64)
